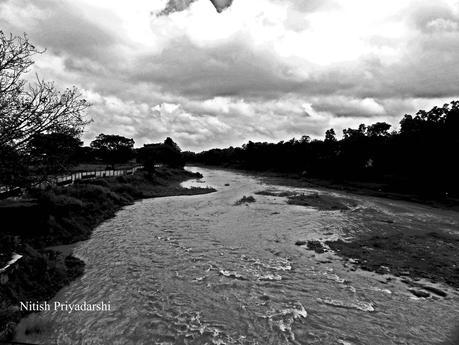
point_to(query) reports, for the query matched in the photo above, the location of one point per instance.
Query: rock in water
(435, 290)
(220, 5)
(316, 246)
(419, 293)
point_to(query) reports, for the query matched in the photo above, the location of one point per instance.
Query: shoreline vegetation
(44, 226)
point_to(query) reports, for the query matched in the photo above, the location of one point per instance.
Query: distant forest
(421, 157)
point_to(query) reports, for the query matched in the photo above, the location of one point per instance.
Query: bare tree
(28, 109)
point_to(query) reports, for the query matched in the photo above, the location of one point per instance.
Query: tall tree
(29, 110)
(378, 129)
(330, 136)
(168, 153)
(113, 149)
(53, 153)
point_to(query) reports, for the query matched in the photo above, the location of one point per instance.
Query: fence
(5, 342)
(85, 175)
(65, 180)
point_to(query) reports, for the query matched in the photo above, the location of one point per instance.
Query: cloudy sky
(261, 70)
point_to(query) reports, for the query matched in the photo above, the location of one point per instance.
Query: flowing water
(199, 270)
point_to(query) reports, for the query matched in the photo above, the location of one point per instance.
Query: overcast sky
(263, 70)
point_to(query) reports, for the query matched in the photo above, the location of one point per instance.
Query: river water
(199, 270)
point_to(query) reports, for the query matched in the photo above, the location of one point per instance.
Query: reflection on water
(198, 270)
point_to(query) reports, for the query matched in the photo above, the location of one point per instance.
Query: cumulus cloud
(260, 70)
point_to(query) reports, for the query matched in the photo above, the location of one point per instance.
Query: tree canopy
(113, 149)
(53, 153)
(167, 153)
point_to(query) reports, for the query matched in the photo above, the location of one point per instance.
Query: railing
(65, 180)
(14, 343)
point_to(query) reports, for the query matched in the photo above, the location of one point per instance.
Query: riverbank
(412, 255)
(365, 188)
(61, 216)
(430, 254)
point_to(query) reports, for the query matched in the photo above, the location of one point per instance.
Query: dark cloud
(227, 70)
(346, 107)
(175, 6)
(434, 17)
(181, 5)
(62, 28)
(220, 5)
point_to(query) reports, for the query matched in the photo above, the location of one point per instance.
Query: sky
(260, 70)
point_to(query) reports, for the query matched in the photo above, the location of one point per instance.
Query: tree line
(420, 157)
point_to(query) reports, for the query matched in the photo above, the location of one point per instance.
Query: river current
(200, 270)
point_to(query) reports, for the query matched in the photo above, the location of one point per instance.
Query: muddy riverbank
(392, 247)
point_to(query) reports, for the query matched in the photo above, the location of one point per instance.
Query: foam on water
(232, 274)
(358, 305)
(270, 277)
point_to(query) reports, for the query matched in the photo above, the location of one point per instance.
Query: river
(199, 270)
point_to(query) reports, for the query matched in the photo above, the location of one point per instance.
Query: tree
(28, 109)
(168, 153)
(113, 149)
(53, 153)
(379, 129)
(355, 134)
(305, 139)
(330, 136)
(172, 144)
(14, 170)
